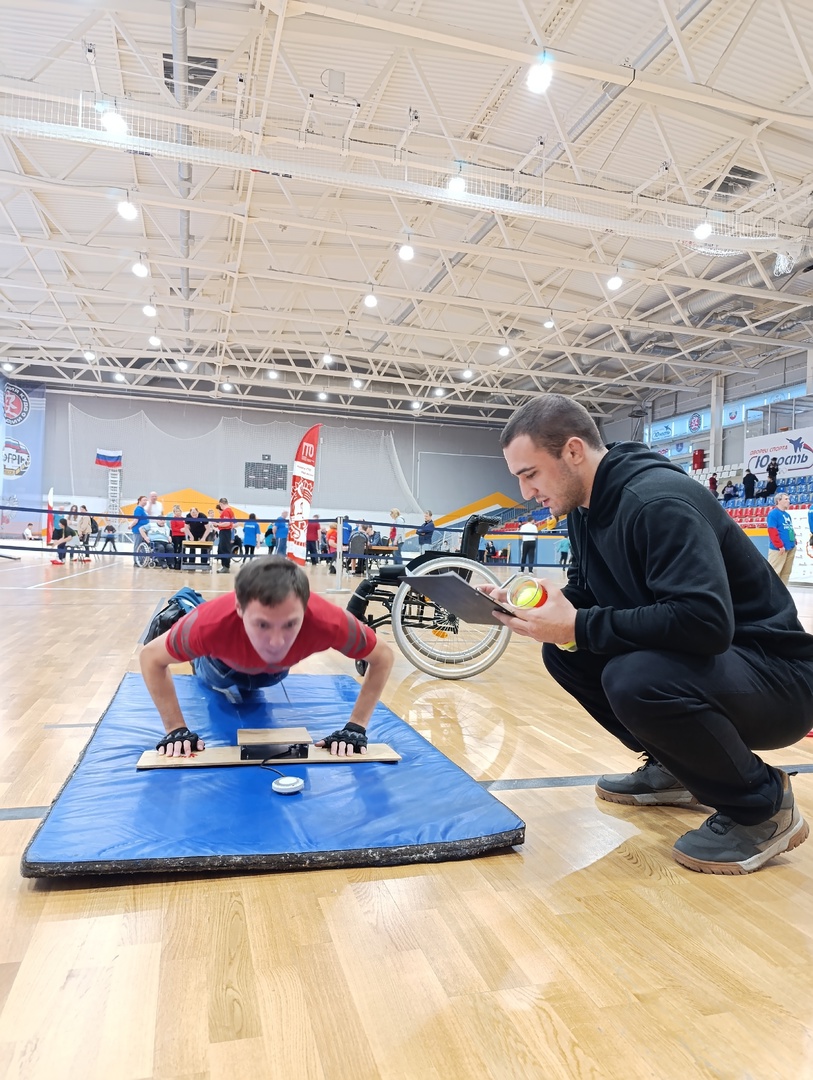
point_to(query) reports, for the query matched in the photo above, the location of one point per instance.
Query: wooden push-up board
(231, 755)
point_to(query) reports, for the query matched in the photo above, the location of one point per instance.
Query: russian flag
(111, 459)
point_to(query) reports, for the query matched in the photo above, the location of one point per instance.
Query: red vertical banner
(302, 480)
(49, 523)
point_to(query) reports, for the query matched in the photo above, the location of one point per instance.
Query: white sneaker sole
(680, 797)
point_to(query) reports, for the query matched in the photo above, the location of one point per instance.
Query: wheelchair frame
(433, 639)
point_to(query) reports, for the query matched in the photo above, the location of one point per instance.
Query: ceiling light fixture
(140, 268)
(155, 341)
(540, 75)
(226, 386)
(322, 395)
(416, 404)
(89, 355)
(127, 210)
(439, 391)
(357, 384)
(119, 377)
(327, 359)
(406, 252)
(182, 365)
(150, 311)
(273, 374)
(615, 282)
(113, 122)
(504, 351)
(8, 367)
(549, 323)
(468, 373)
(456, 185)
(371, 300)
(703, 231)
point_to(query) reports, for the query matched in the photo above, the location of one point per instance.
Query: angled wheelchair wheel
(436, 641)
(142, 554)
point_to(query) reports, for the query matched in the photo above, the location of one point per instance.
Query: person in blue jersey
(781, 537)
(251, 534)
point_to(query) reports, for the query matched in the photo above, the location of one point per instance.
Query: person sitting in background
(158, 534)
(84, 530)
(28, 531)
(63, 537)
(332, 540)
(251, 533)
(729, 492)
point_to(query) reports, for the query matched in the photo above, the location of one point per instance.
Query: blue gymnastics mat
(111, 819)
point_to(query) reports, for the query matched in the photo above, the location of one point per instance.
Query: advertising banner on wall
(302, 480)
(23, 445)
(793, 451)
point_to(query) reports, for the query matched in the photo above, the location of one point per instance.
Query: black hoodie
(660, 565)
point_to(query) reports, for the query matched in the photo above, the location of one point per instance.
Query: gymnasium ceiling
(274, 186)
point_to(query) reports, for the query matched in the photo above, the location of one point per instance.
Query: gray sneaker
(650, 785)
(721, 846)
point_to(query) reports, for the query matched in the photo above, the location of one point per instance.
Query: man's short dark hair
(549, 421)
(271, 581)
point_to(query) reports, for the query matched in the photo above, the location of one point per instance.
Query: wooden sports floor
(588, 953)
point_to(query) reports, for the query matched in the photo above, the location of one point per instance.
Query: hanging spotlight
(615, 282)
(703, 231)
(8, 367)
(468, 374)
(322, 395)
(439, 391)
(406, 252)
(113, 122)
(150, 311)
(540, 75)
(127, 210)
(155, 341)
(549, 323)
(504, 351)
(327, 359)
(89, 355)
(273, 374)
(182, 365)
(140, 268)
(416, 404)
(371, 300)
(456, 185)
(357, 384)
(119, 377)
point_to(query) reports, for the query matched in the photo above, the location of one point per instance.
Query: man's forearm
(158, 680)
(373, 686)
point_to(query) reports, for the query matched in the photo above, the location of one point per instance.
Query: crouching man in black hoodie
(688, 646)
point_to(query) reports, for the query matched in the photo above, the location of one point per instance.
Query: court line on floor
(581, 781)
(21, 813)
(61, 581)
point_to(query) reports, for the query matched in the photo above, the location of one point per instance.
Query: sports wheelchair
(433, 639)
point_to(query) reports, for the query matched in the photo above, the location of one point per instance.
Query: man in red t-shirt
(250, 638)
(312, 539)
(225, 536)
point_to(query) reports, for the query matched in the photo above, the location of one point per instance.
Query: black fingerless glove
(352, 734)
(179, 735)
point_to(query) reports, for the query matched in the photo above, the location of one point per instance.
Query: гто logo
(16, 459)
(15, 405)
